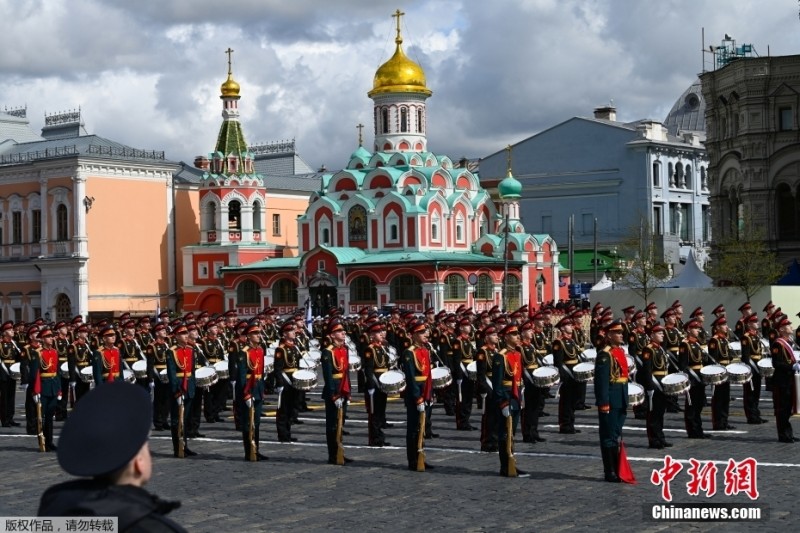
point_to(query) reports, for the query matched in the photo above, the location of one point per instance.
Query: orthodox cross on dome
(508, 158)
(360, 127)
(229, 52)
(398, 14)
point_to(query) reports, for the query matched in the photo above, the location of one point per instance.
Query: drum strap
(657, 384)
(527, 375)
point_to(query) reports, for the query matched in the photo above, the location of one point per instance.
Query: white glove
(458, 382)
(59, 397)
(279, 390)
(249, 402)
(370, 391)
(421, 407)
(24, 387)
(339, 402)
(796, 368)
(71, 384)
(233, 384)
(180, 399)
(152, 384)
(36, 398)
(506, 411)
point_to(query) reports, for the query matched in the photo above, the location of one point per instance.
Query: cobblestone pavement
(297, 491)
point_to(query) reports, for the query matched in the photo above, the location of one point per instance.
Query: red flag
(625, 473)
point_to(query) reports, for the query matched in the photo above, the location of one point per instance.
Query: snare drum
(736, 347)
(392, 351)
(590, 354)
(355, 362)
(675, 384)
(307, 363)
(15, 371)
(714, 374)
(65, 370)
(87, 374)
(314, 344)
(548, 359)
(472, 371)
(583, 372)
(766, 368)
(441, 377)
(205, 376)
(222, 369)
(314, 355)
(739, 373)
(546, 377)
(392, 382)
(140, 369)
(631, 365)
(128, 375)
(304, 379)
(269, 364)
(163, 377)
(635, 394)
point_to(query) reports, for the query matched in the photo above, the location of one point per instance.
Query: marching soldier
(565, 357)
(752, 352)
(157, 370)
(62, 343)
(611, 392)
(418, 395)
(251, 382)
(785, 364)
(376, 363)
(719, 351)
(196, 410)
(507, 384)
(235, 344)
(287, 361)
(691, 360)
(216, 395)
(107, 362)
(463, 353)
(181, 366)
(483, 382)
(45, 382)
(534, 396)
(672, 342)
(336, 390)
(130, 350)
(637, 341)
(32, 344)
(746, 309)
(80, 357)
(8, 385)
(654, 368)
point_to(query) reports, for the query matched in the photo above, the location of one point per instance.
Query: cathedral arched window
(687, 176)
(392, 223)
(210, 220)
(248, 293)
(363, 290)
(419, 121)
(284, 292)
(460, 228)
(256, 216)
(405, 288)
(657, 174)
(435, 227)
(484, 289)
(384, 120)
(62, 223)
(513, 292)
(403, 119)
(235, 215)
(455, 288)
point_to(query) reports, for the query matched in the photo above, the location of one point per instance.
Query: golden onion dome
(229, 88)
(399, 74)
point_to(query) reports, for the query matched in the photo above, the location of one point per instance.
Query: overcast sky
(147, 72)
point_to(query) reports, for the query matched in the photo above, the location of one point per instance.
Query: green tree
(744, 261)
(644, 267)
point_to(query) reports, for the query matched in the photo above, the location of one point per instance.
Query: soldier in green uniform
(251, 383)
(611, 394)
(507, 387)
(752, 352)
(416, 362)
(654, 368)
(691, 360)
(336, 389)
(8, 383)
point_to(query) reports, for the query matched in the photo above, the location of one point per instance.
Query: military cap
(255, 328)
(651, 306)
(692, 324)
(334, 326)
(752, 319)
(46, 332)
(526, 325)
(8, 325)
(376, 327)
(289, 325)
(615, 326)
(108, 331)
(630, 309)
(489, 330)
(33, 331)
(465, 322)
(718, 310)
(510, 329)
(180, 330)
(745, 306)
(76, 319)
(783, 322)
(638, 315)
(418, 326)
(566, 321)
(656, 328)
(721, 321)
(83, 328)
(96, 440)
(697, 312)
(769, 306)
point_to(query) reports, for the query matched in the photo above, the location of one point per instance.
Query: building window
(435, 227)
(455, 288)
(513, 292)
(248, 293)
(36, 225)
(392, 228)
(63, 307)
(687, 176)
(211, 216)
(658, 220)
(234, 215)
(218, 266)
(16, 227)
(404, 119)
(357, 223)
(62, 223)
(393, 236)
(459, 228)
(363, 290)
(276, 224)
(256, 216)
(706, 212)
(384, 120)
(785, 119)
(703, 179)
(656, 174)
(539, 292)
(202, 270)
(405, 288)
(326, 236)
(484, 289)
(284, 292)
(679, 221)
(419, 120)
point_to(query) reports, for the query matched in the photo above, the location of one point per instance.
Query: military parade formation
(505, 365)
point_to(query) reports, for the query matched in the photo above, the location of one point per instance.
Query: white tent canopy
(690, 277)
(603, 283)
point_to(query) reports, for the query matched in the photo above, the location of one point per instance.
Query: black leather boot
(609, 464)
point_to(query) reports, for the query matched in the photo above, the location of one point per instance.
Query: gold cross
(360, 139)
(398, 14)
(229, 51)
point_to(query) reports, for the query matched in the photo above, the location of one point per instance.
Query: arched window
(513, 294)
(403, 119)
(484, 289)
(210, 221)
(671, 174)
(419, 121)
(363, 290)
(460, 228)
(234, 215)
(405, 288)
(357, 223)
(62, 223)
(687, 176)
(284, 292)
(384, 120)
(63, 307)
(656, 174)
(256, 216)
(392, 223)
(248, 293)
(455, 288)
(703, 179)
(435, 227)
(326, 236)
(787, 215)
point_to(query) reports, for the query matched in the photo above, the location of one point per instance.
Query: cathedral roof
(400, 74)
(688, 113)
